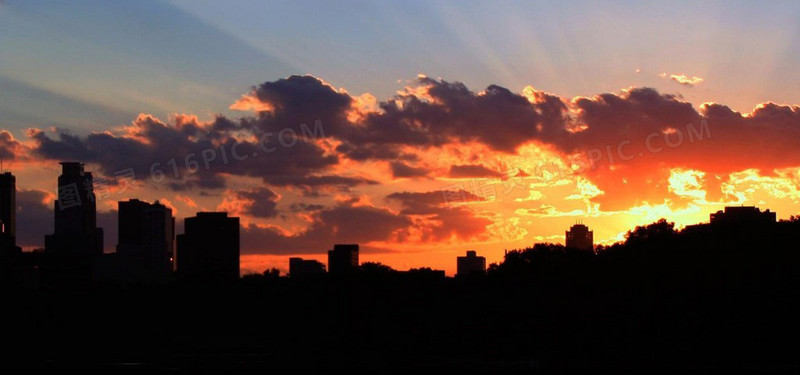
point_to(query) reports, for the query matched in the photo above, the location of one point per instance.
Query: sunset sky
(419, 130)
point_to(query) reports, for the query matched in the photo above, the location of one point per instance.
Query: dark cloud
(423, 213)
(472, 171)
(341, 224)
(188, 154)
(305, 207)
(303, 96)
(262, 202)
(442, 222)
(34, 218)
(451, 112)
(403, 170)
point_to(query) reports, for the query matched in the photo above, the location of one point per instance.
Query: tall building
(209, 247)
(580, 237)
(470, 264)
(77, 243)
(146, 236)
(343, 258)
(8, 212)
(76, 231)
(9, 252)
(300, 268)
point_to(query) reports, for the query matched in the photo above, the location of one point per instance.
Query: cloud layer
(316, 149)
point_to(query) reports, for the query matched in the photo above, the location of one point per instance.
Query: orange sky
(438, 169)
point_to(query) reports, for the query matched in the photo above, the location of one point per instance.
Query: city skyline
(148, 248)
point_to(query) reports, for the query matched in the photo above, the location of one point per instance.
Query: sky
(418, 129)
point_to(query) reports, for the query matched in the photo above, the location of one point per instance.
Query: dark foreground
(474, 326)
(661, 303)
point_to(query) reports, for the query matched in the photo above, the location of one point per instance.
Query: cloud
(403, 170)
(10, 148)
(472, 171)
(683, 79)
(434, 113)
(686, 81)
(34, 217)
(625, 144)
(188, 153)
(261, 203)
(186, 200)
(441, 222)
(341, 224)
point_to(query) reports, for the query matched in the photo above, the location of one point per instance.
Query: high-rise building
(8, 212)
(470, 264)
(9, 252)
(300, 268)
(209, 247)
(146, 234)
(77, 242)
(76, 231)
(343, 258)
(579, 237)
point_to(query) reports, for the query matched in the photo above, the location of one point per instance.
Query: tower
(580, 237)
(77, 242)
(75, 223)
(8, 212)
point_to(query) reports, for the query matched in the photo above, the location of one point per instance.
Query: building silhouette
(343, 258)
(146, 238)
(76, 242)
(747, 215)
(209, 247)
(8, 212)
(8, 215)
(75, 224)
(579, 237)
(470, 264)
(300, 268)
(10, 254)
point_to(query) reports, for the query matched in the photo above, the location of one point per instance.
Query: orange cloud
(186, 200)
(248, 102)
(683, 79)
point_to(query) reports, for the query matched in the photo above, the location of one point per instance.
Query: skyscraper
(470, 264)
(146, 235)
(8, 212)
(343, 258)
(209, 247)
(72, 249)
(9, 252)
(76, 231)
(580, 237)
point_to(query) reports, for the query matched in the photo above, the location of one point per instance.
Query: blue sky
(92, 64)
